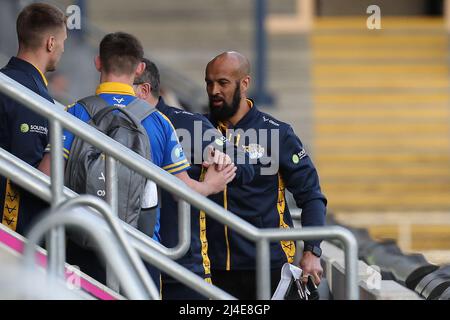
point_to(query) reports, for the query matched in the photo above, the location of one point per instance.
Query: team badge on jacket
(255, 151)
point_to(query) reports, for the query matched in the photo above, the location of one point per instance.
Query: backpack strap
(93, 104)
(141, 109)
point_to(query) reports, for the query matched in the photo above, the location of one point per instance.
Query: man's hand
(310, 264)
(217, 180)
(44, 165)
(220, 159)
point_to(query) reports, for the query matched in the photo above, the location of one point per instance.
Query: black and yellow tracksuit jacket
(281, 163)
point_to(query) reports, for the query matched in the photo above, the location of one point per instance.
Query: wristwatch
(314, 250)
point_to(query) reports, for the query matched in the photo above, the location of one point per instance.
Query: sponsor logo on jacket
(255, 151)
(32, 128)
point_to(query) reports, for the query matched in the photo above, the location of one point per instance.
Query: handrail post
(121, 266)
(447, 15)
(112, 193)
(263, 283)
(35, 181)
(327, 232)
(261, 94)
(184, 224)
(351, 264)
(163, 179)
(180, 273)
(56, 238)
(114, 225)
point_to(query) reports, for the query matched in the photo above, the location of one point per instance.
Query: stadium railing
(114, 151)
(38, 183)
(136, 283)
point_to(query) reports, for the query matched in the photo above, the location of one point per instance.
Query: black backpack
(85, 168)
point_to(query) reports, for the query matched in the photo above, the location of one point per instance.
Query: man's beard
(227, 110)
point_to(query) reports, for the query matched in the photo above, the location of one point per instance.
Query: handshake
(220, 170)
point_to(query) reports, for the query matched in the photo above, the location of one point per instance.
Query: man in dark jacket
(41, 31)
(281, 162)
(196, 134)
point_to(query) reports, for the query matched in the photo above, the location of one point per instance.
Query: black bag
(291, 286)
(299, 291)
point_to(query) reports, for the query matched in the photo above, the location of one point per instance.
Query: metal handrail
(120, 264)
(168, 182)
(43, 192)
(103, 208)
(34, 180)
(310, 233)
(38, 183)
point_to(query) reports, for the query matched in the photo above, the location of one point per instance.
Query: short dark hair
(150, 75)
(120, 53)
(36, 19)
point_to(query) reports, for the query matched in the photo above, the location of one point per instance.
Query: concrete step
(358, 23)
(430, 237)
(352, 172)
(334, 69)
(388, 98)
(170, 10)
(340, 147)
(373, 145)
(370, 39)
(383, 186)
(375, 159)
(172, 35)
(380, 53)
(383, 114)
(415, 231)
(390, 128)
(328, 122)
(423, 237)
(383, 85)
(401, 201)
(186, 35)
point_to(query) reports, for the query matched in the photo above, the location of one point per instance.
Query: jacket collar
(162, 106)
(246, 119)
(27, 67)
(249, 116)
(115, 88)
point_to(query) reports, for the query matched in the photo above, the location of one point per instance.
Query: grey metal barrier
(103, 208)
(163, 179)
(17, 167)
(38, 183)
(129, 280)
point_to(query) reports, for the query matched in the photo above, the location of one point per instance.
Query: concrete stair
(414, 231)
(381, 113)
(378, 119)
(185, 35)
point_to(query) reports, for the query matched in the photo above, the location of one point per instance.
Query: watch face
(317, 251)
(314, 250)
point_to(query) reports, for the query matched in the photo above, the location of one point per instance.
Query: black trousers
(242, 283)
(172, 289)
(90, 263)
